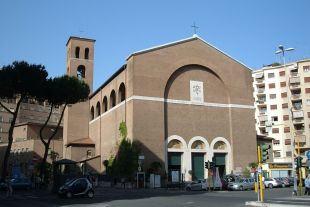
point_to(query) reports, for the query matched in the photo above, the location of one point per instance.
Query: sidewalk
(280, 202)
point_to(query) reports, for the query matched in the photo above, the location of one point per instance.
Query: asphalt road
(148, 198)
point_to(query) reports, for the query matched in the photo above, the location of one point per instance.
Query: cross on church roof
(195, 28)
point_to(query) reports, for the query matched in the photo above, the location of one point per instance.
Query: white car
(197, 185)
(271, 183)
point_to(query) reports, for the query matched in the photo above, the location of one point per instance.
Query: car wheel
(241, 188)
(270, 185)
(187, 188)
(69, 195)
(90, 194)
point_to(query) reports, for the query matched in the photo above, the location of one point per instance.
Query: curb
(257, 203)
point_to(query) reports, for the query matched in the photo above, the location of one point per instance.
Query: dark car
(77, 187)
(21, 183)
(285, 181)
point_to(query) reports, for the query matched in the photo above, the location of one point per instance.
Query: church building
(185, 102)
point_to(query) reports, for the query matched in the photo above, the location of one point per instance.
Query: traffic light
(298, 162)
(264, 152)
(209, 165)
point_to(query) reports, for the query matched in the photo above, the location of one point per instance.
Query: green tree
(19, 81)
(125, 163)
(62, 90)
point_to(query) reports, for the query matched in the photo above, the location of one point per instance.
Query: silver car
(197, 185)
(241, 184)
(271, 183)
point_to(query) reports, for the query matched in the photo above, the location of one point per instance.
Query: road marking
(190, 202)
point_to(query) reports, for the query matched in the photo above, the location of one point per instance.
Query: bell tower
(80, 63)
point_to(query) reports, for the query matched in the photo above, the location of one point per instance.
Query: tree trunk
(5, 172)
(47, 143)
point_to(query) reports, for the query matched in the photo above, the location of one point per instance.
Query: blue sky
(249, 31)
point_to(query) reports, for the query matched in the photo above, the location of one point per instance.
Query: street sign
(307, 153)
(259, 170)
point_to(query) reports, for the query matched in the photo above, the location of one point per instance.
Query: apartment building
(27, 146)
(282, 110)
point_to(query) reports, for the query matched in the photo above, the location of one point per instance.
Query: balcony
(299, 120)
(260, 82)
(261, 101)
(300, 138)
(296, 97)
(299, 132)
(294, 73)
(263, 118)
(260, 90)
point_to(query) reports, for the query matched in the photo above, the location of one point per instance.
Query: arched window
(77, 52)
(98, 109)
(86, 55)
(92, 113)
(81, 71)
(112, 99)
(105, 104)
(121, 93)
(220, 145)
(175, 144)
(198, 144)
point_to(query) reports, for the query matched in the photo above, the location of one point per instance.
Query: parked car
(241, 184)
(21, 183)
(77, 187)
(271, 183)
(197, 185)
(285, 181)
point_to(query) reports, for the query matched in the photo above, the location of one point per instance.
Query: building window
(98, 109)
(287, 141)
(1, 119)
(92, 113)
(287, 130)
(307, 90)
(89, 153)
(306, 68)
(112, 99)
(273, 96)
(270, 75)
(285, 106)
(105, 104)
(272, 85)
(282, 84)
(286, 117)
(308, 114)
(274, 118)
(307, 79)
(288, 153)
(276, 142)
(121, 93)
(283, 95)
(1, 130)
(275, 130)
(273, 107)
(81, 71)
(86, 55)
(77, 52)
(277, 154)
(282, 73)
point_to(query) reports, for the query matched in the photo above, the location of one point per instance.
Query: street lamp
(282, 50)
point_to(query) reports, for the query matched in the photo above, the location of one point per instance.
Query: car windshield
(69, 182)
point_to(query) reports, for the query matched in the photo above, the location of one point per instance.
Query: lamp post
(282, 50)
